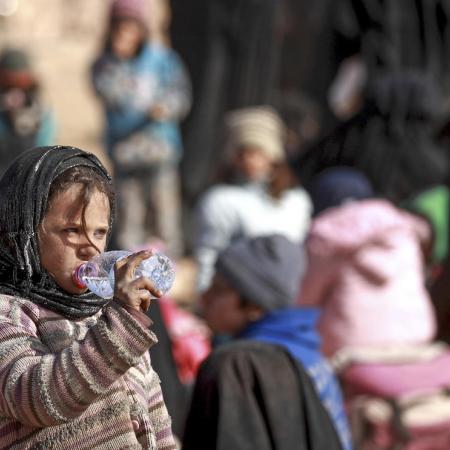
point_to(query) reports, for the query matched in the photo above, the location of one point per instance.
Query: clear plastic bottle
(97, 274)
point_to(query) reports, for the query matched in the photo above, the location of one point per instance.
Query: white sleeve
(216, 224)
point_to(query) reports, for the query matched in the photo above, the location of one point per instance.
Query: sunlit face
(253, 163)
(126, 38)
(222, 309)
(63, 245)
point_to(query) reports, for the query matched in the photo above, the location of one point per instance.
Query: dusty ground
(63, 37)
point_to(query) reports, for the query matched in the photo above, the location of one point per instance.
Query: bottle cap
(76, 277)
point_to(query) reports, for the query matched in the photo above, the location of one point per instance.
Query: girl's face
(63, 244)
(253, 163)
(126, 37)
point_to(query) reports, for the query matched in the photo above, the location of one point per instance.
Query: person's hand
(134, 292)
(159, 112)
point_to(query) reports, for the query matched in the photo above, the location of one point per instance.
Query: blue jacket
(129, 89)
(294, 329)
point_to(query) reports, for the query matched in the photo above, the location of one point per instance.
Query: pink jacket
(366, 272)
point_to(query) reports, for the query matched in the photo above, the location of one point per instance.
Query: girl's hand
(135, 293)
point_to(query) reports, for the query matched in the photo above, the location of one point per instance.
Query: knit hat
(134, 9)
(15, 69)
(266, 271)
(258, 126)
(336, 185)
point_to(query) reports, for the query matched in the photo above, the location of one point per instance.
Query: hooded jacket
(366, 272)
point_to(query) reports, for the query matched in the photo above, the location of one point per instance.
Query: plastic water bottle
(97, 274)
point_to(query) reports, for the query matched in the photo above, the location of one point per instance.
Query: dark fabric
(402, 34)
(252, 395)
(24, 191)
(225, 56)
(265, 270)
(405, 46)
(440, 295)
(336, 185)
(391, 141)
(294, 329)
(176, 395)
(272, 51)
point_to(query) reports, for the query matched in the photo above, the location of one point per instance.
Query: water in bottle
(97, 274)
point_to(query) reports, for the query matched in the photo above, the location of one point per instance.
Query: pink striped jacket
(84, 384)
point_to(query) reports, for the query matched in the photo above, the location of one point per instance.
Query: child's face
(126, 37)
(63, 245)
(253, 163)
(222, 309)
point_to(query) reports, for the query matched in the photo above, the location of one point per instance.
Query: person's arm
(215, 226)
(41, 388)
(175, 98)
(108, 83)
(318, 279)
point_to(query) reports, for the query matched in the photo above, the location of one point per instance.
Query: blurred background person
(366, 267)
(25, 119)
(367, 262)
(255, 194)
(145, 92)
(255, 392)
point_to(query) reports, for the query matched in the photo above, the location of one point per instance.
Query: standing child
(145, 92)
(256, 195)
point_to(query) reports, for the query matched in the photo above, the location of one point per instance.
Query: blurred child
(257, 194)
(366, 267)
(145, 93)
(256, 392)
(25, 121)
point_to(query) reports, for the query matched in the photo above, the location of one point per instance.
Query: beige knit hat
(258, 126)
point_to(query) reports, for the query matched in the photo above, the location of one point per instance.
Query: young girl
(74, 368)
(145, 93)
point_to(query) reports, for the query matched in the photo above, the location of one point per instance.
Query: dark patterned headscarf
(24, 191)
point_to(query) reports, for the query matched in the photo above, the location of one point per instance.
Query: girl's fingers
(130, 262)
(135, 259)
(146, 284)
(145, 300)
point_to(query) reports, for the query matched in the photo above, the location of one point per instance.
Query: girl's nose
(87, 250)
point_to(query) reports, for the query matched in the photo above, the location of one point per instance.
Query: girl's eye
(70, 230)
(101, 233)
